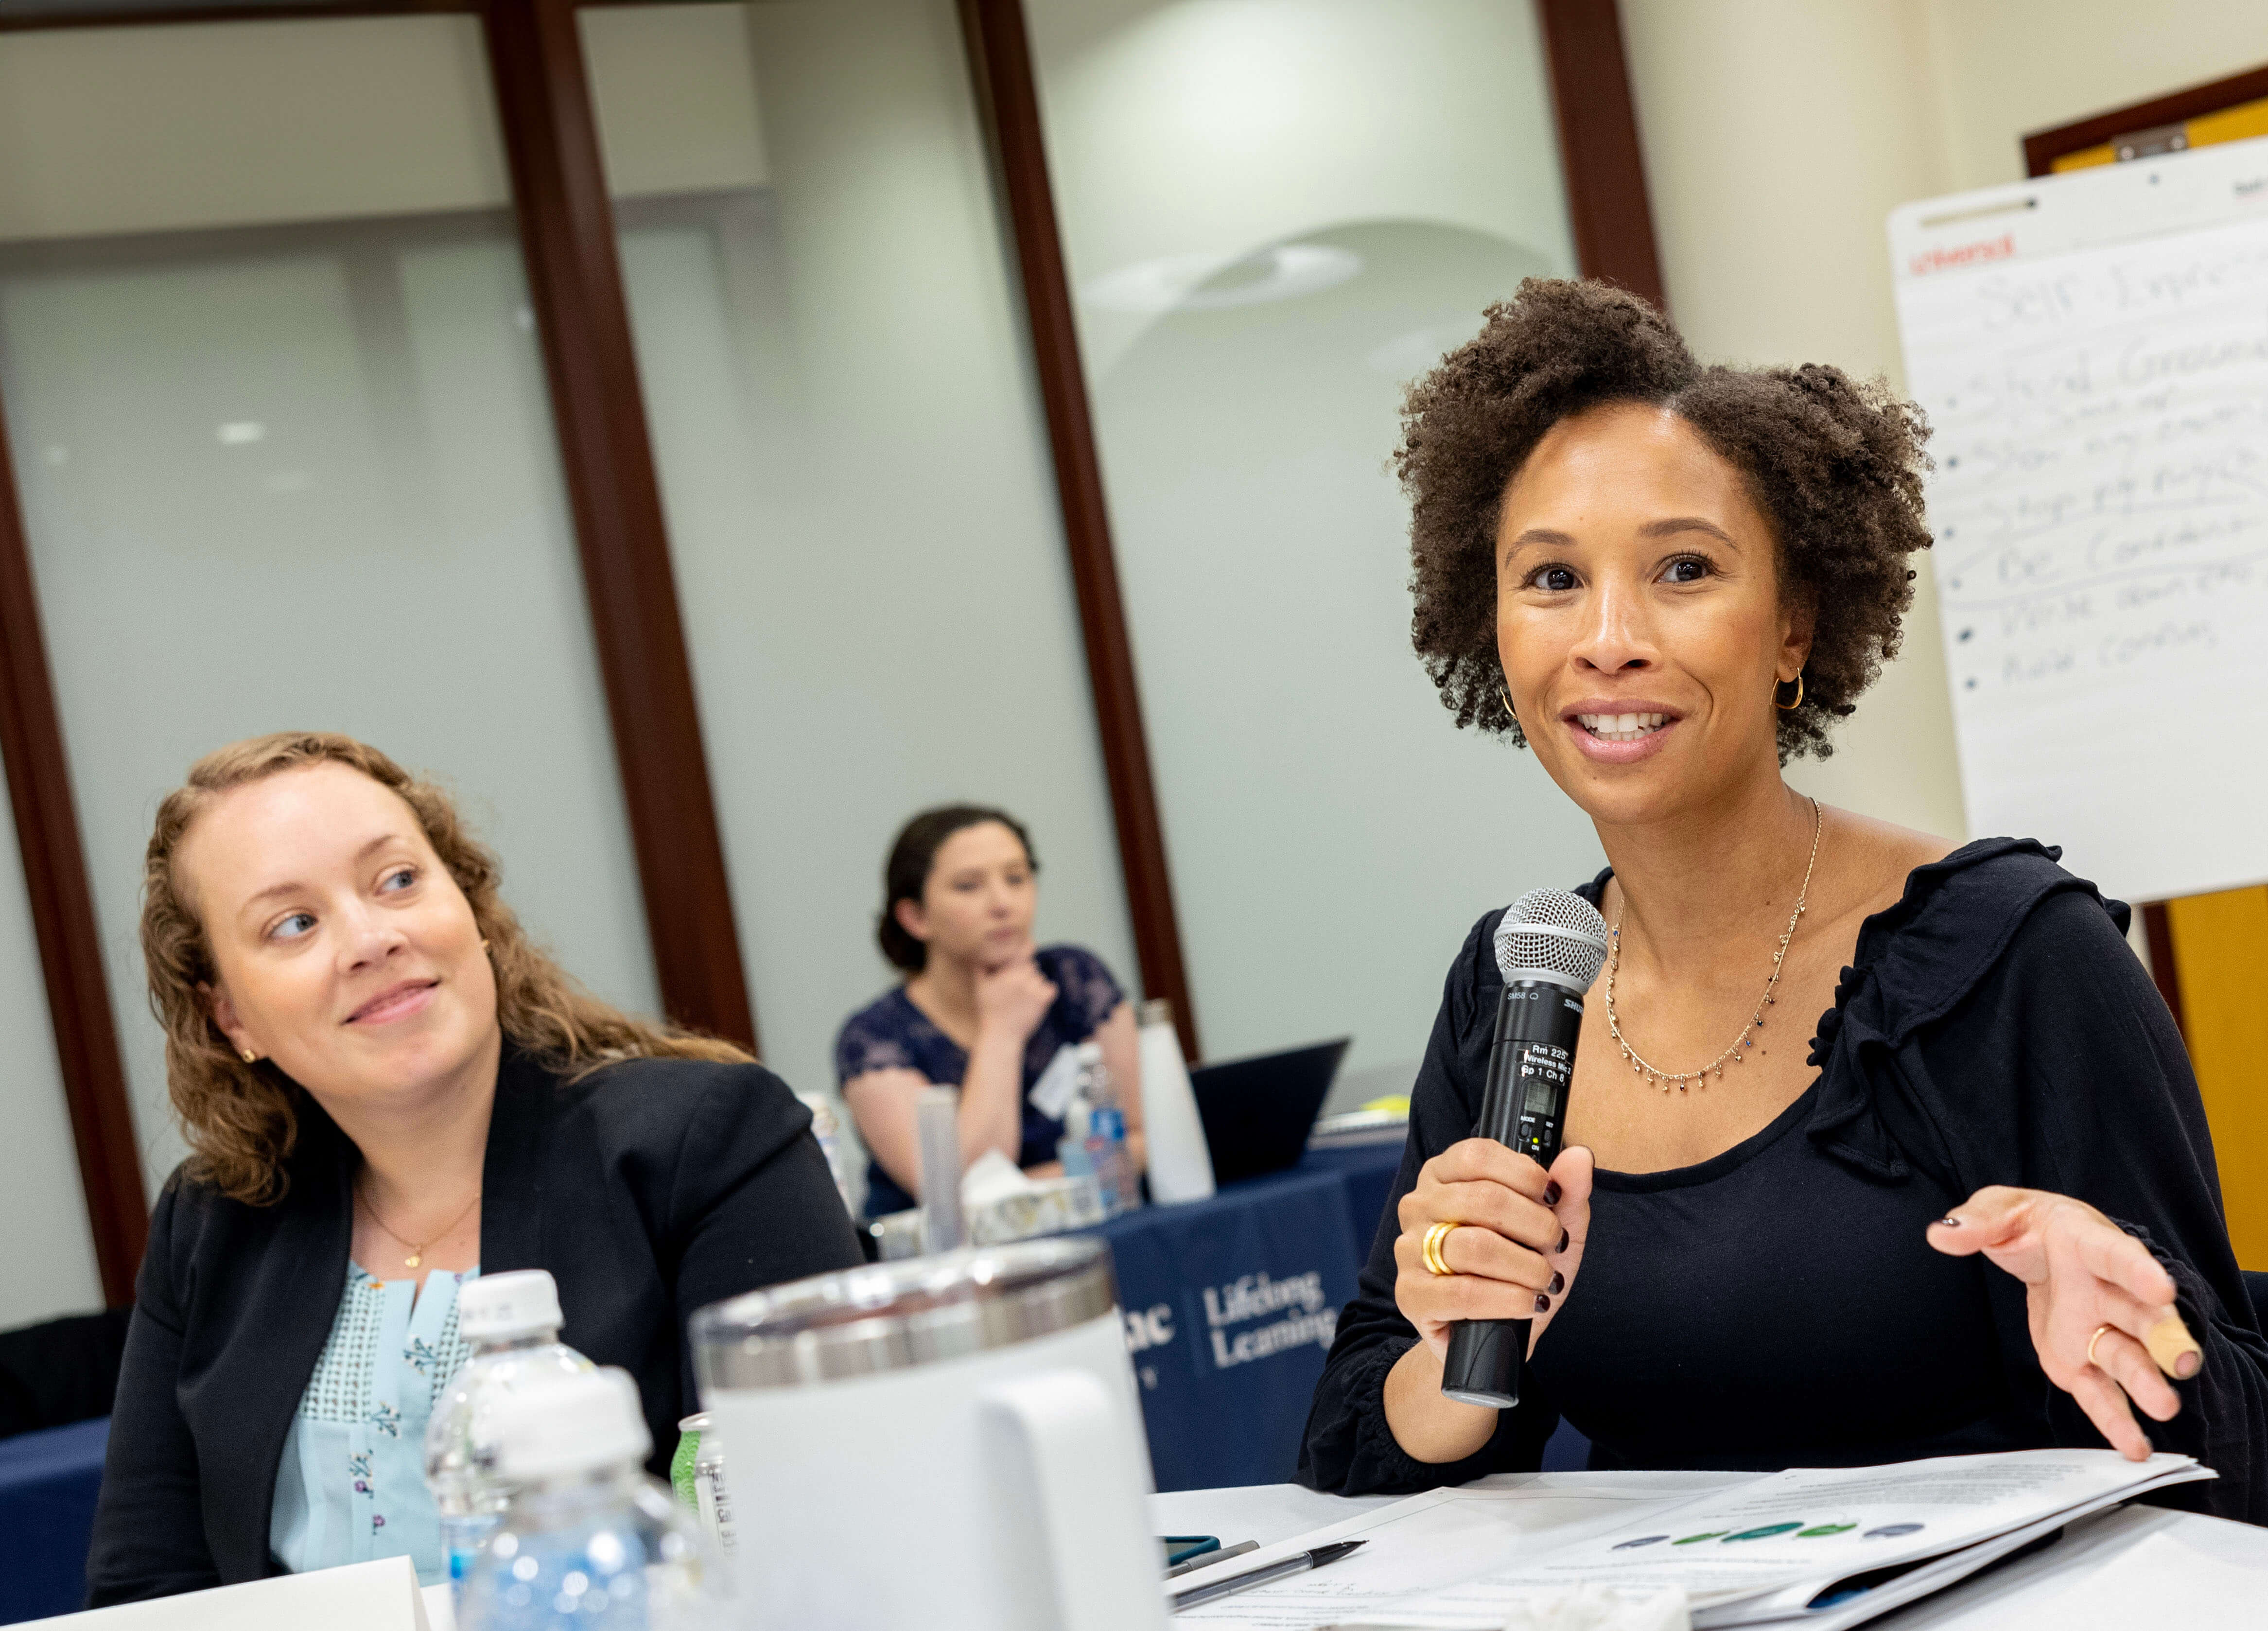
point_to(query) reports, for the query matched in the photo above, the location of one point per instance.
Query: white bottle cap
(494, 1307)
(563, 1425)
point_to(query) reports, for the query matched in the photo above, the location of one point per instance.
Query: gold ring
(2092, 1340)
(1435, 1238)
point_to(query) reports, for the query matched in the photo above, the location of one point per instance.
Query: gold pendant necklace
(1638, 1061)
(417, 1255)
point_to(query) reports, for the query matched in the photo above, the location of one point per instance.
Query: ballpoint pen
(1299, 1562)
(1206, 1559)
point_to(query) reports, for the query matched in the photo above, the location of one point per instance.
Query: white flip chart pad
(2092, 351)
(382, 1596)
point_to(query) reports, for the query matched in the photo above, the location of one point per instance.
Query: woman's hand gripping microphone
(1507, 1237)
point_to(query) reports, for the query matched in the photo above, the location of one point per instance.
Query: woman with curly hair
(1962, 1209)
(386, 1090)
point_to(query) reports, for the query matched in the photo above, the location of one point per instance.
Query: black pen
(1297, 1563)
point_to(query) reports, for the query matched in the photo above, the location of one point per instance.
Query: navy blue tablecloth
(48, 1481)
(1230, 1304)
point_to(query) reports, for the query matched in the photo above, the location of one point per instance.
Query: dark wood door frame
(1599, 151)
(1008, 107)
(567, 231)
(62, 917)
(2042, 148)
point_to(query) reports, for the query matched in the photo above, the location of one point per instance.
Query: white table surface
(1265, 1513)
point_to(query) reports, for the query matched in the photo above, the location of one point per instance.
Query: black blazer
(649, 1189)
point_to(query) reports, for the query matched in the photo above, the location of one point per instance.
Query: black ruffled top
(1777, 1305)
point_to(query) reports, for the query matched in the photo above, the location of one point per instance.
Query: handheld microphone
(1550, 945)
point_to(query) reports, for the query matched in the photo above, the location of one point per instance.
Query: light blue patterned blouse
(352, 1485)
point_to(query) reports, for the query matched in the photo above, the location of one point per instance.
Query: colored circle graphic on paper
(1765, 1533)
(1817, 1529)
(1643, 1540)
(1892, 1531)
(1711, 1535)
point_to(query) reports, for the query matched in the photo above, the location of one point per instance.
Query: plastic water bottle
(512, 1322)
(1072, 1150)
(1106, 1133)
(588, 1542)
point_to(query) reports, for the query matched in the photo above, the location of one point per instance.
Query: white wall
(48, 1266)
(1275, 213)
(1778, 135)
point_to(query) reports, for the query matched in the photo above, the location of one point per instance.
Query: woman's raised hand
(1517, 1246)
(1015, 997)
(2101, 1307)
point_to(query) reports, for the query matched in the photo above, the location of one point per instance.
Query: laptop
(1257, 1111)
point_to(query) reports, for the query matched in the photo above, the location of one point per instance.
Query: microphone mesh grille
(1554, 933)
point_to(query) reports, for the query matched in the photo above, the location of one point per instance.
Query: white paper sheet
(1457, 1557)
(1442, 1537)
(382, 1596)
(1807, 1524)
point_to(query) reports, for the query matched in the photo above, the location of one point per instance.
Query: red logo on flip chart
(1944, 260)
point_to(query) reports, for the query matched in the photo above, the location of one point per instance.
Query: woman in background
(980, 1008)
(387, 1090)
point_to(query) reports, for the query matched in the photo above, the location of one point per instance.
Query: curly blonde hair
(242, 1120)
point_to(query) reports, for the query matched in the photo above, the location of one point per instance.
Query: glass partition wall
(285, 455)
(852, 526)
(861, 513)
(1274, 214)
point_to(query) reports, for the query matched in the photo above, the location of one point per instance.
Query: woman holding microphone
(387, 1090)
(1877, 1148)
(979, 1008)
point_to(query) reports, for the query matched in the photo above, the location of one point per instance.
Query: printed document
(1827, 1547)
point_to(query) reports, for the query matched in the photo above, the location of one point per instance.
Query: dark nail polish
(1558, 1283)
(1563, 1241)
(1552, 1193)
(1542, 1303)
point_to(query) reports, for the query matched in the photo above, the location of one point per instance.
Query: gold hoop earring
(1789, 707)
(1509, 712)
(487, 947)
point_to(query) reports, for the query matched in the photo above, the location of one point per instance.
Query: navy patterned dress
(890, 1033)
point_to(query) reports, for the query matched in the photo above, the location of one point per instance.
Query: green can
(697, 1473)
